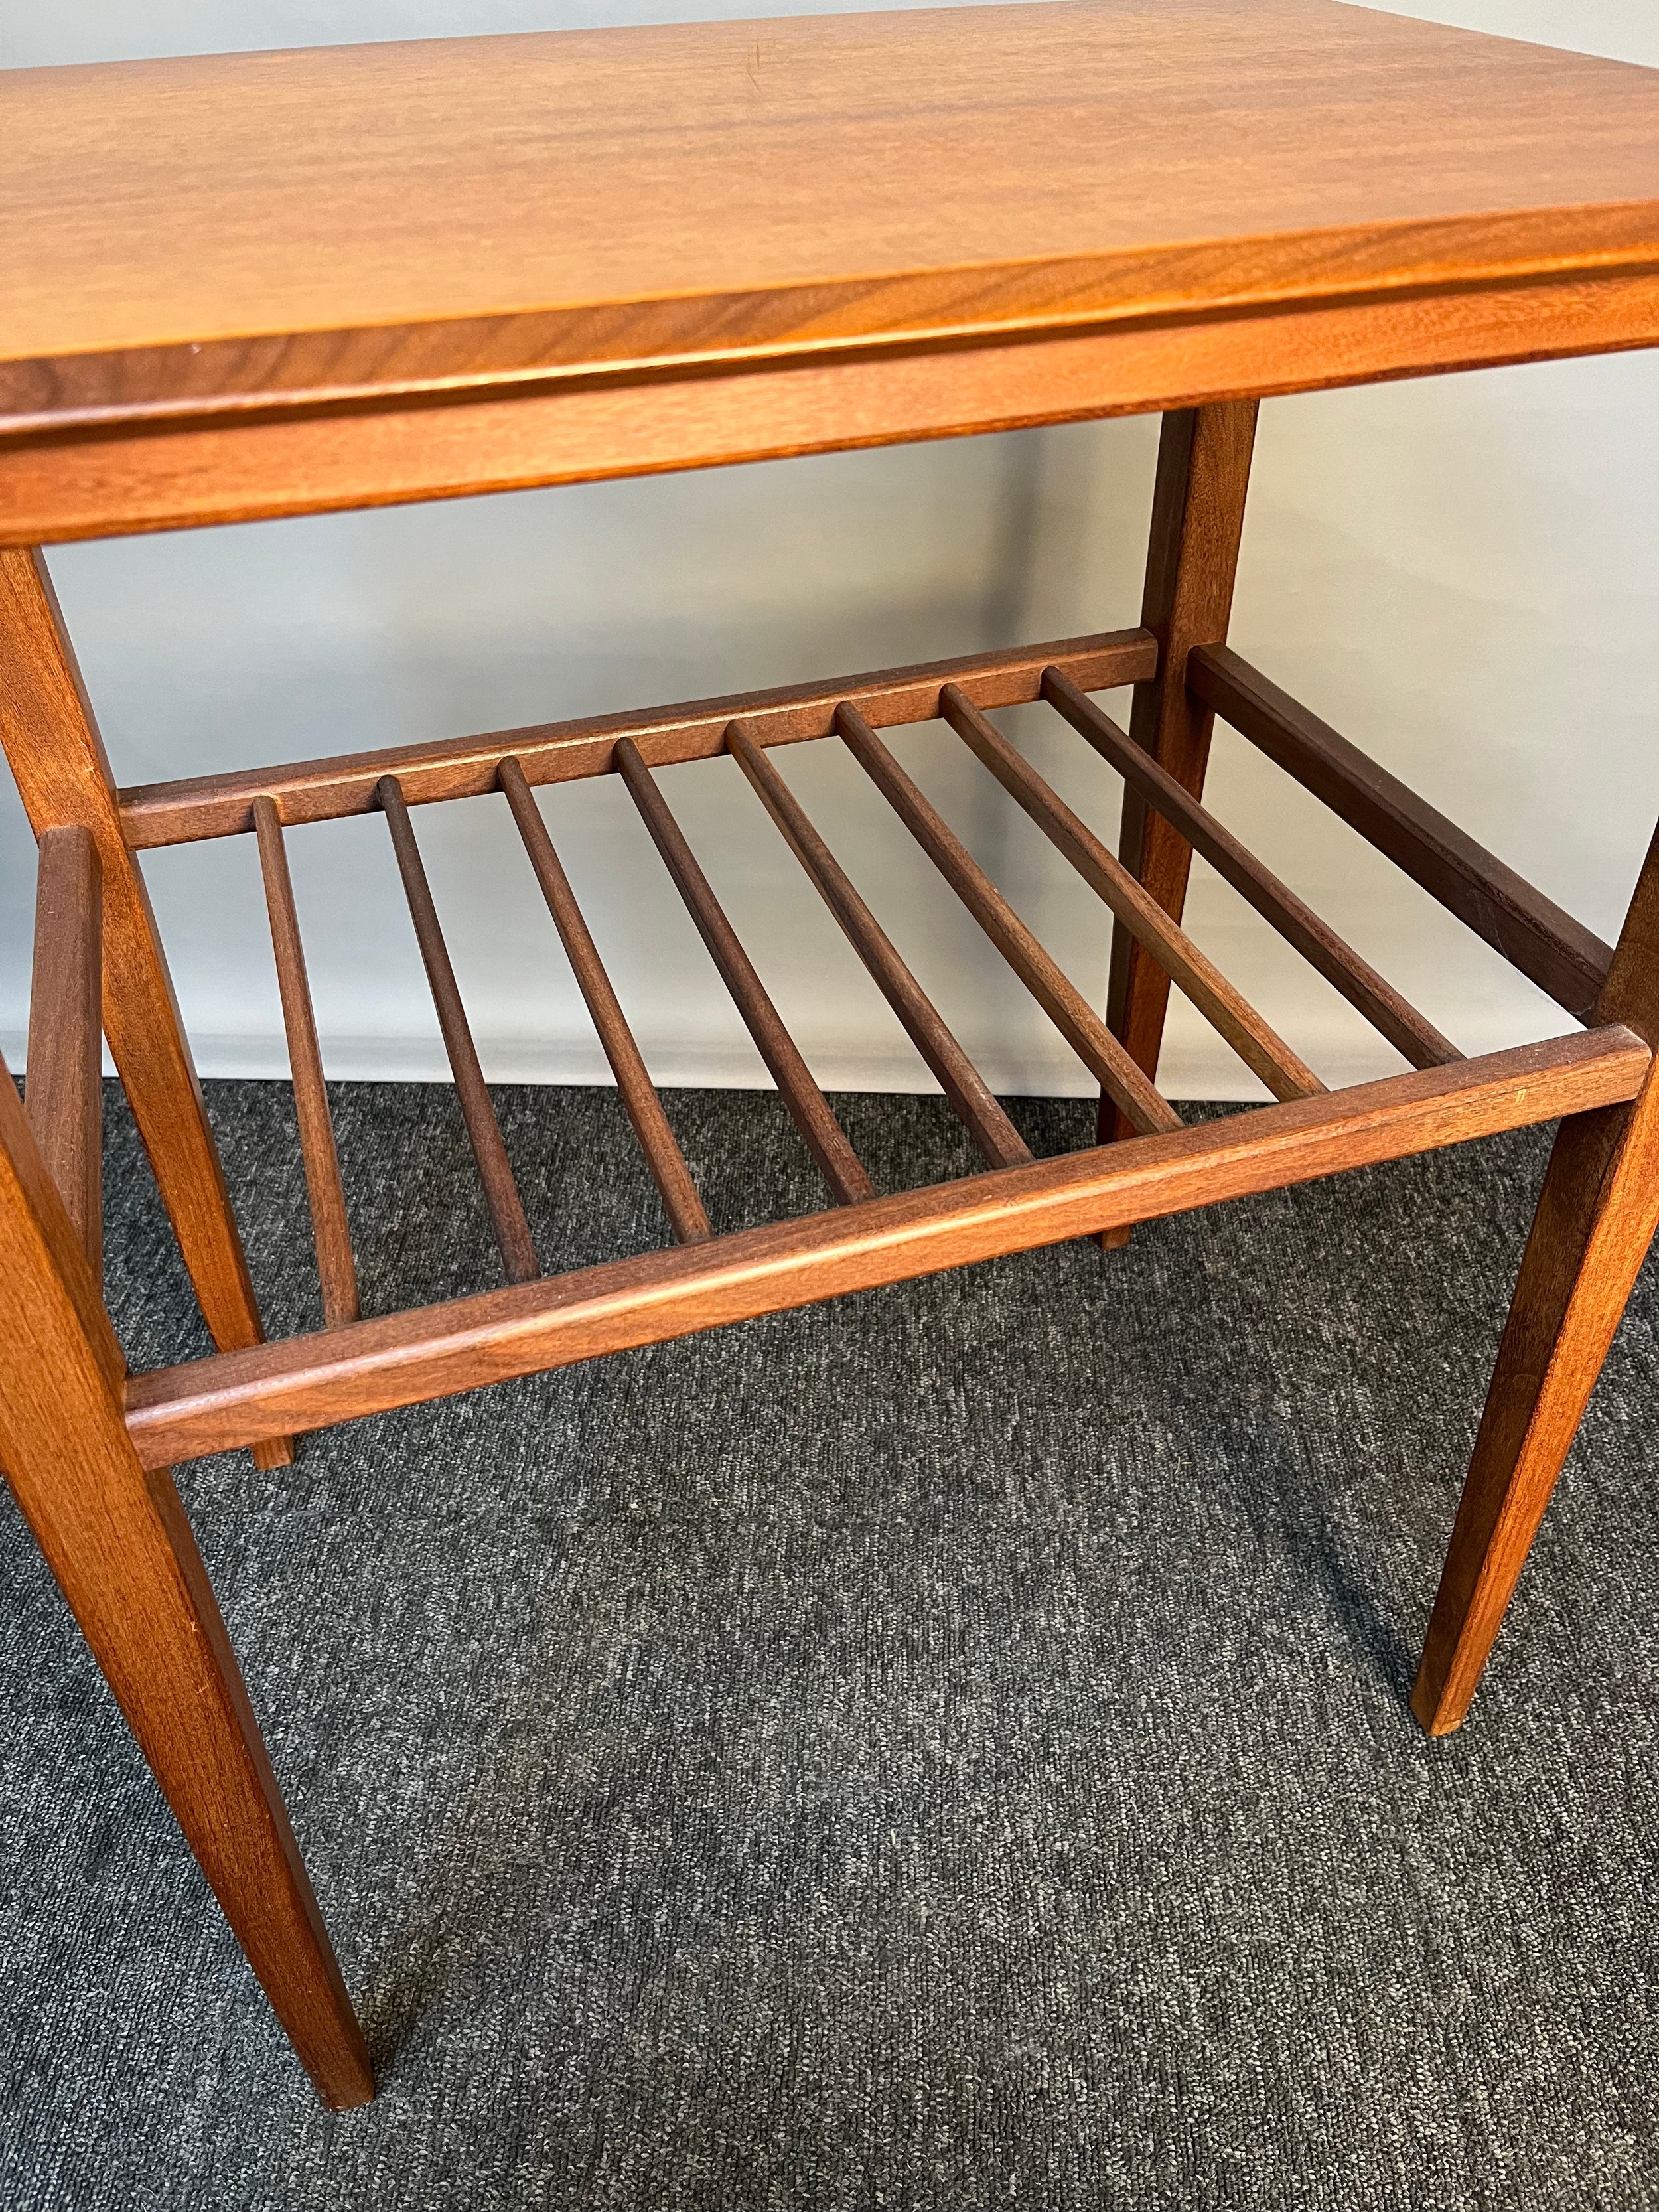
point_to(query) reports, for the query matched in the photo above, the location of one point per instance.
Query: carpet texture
(943, 1749)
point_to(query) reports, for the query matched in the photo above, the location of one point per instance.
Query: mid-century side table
(279, 284)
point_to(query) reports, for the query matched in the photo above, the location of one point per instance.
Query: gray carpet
(946, 1749)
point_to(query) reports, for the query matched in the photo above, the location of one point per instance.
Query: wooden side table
(280, 284)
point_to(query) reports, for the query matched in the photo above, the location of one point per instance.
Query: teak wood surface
(1198, 521)
(221, 805)
(64, 1099)
(1135, 910)
(118, 1543)
(331, 1227)
(809, 1109)
(1041, 974)
(1595, 1221)
(1353, 975)
(673, 1178)
(51, 740)
(279, 284)
(324, 272)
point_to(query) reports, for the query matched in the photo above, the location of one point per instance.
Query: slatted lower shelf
(354, 1367)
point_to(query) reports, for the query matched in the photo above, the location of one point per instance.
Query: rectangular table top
(204, 240)
(473, 209)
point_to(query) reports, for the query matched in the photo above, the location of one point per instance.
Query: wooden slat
(63, 1090)
(1531, 932)
(500, 1192)
(961, 1081)
(823, 1135)
(330, 1229)
(1059, 997)
(180, 1412)
(662, 1154)
(559, 752)
(1258, 1045)
(1398, 1020)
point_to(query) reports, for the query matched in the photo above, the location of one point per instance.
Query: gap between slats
(495, 1172)
(1411, 1033)
(823, 1135)
(962, 1083)
(1263, 1051)
(1054, 992)
(1514, 917)
(644, 1108)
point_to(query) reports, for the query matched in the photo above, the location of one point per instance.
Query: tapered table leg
(1595, 1220)
(1197, 517)
(121, 1548)
(63, 773)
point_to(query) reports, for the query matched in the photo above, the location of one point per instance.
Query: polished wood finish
(358, 275)
(472, 1092)
(362, 273)
(1531, 932)
(180, 1412)
(970, 1097)
(1198, 515)
(1054, 992)
(330, 1228)
(64, 1097)
(600, 426)
(474, 211)
(1263, 1051)
(1412, 1035)
(555, 752)
(824, 1138)
(58, 759)
(663, 1156)
(121, 1549)
(1595, 1221)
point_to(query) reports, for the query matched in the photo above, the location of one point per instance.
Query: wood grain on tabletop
(184, 232)
(385, 452)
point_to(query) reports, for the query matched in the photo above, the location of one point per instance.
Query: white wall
(1462, 575)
